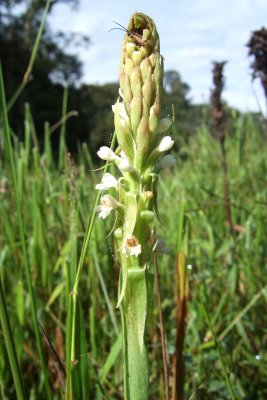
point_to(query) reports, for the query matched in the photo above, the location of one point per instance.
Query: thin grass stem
(72, 359)
(223, 365)
(10, 346)
(10, 156)
(27, 74)
(162, 331)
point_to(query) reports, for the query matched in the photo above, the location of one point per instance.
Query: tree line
(55, 69)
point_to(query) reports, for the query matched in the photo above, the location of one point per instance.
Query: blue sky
(193, 34)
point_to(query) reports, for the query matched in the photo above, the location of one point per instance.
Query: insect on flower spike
(133, 34)
(122, 28)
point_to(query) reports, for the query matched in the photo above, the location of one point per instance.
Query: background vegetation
(54, 150)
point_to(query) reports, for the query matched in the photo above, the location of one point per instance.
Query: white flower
(131, 246)
(108, 181)
(119, 108)
(165, 144)
(108, 203)
(167, 161)
(105, 153)
(124, 165)
(164, 125)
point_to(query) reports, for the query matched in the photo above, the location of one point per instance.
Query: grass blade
(11, 350)
(72, 328)
(226, 375)
(10, 156)
(32, 59)
(62, 140)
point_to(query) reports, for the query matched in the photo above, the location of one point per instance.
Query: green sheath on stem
(133, 313)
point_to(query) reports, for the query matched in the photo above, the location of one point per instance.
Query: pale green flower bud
(166, 162)
(123, 129)
(164, 125)
(141, 72)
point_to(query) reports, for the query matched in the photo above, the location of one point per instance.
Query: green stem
(10, 156)
(73, 358)
(224, 369)
(62, 140)
(32, 59)
(11, 350)
(134, 316)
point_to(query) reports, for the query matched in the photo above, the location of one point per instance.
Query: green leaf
(112, 357)
(136, 304)
(130, 213)
(19, 301)
(56, 292)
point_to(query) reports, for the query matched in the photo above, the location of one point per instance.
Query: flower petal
(102, 211)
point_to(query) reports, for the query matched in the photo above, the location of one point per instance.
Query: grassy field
(47, 220)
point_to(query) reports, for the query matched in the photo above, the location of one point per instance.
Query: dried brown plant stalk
(182, 300)
(219, 121)
(258, 49)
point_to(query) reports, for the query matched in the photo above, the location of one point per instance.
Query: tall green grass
(60, 333)
(45, 230)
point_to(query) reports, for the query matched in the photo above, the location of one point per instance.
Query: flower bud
(166, 162)
(165, 144)
(141, 73)
(164, 125)
(108, 181)
(105, 153)
(124, 165)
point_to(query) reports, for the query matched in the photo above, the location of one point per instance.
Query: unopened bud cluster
(143, 140)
